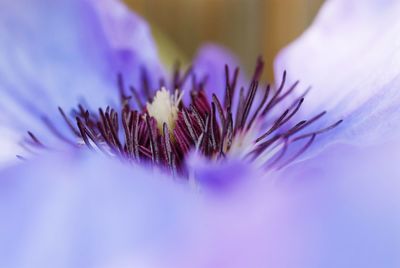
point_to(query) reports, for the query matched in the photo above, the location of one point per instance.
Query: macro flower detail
(162, 130)
(129, 164)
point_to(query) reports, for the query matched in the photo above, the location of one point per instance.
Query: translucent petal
(82, 210)
(342, 209)
(129, 36)
(210, 62)
(351, 59)
(62, 211)
(62, 53)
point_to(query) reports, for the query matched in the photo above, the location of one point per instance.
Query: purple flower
(125, 167)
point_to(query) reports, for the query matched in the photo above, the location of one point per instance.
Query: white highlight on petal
(9, 147)
(244, 142)
(351, 58)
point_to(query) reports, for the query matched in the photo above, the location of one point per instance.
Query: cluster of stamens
(162, 130)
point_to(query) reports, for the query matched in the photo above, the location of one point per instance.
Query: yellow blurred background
(248, 27)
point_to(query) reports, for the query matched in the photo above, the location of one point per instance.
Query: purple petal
(340, 209)
(129, 36)
(60, 53)
(351, 59)
(210, 63)
(88, 211)
(343, 209)
(62, 211)
(221, 176)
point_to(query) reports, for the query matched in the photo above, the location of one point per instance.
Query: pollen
(164, 108)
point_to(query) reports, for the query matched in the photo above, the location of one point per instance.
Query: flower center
(164, 108)
(246, 123)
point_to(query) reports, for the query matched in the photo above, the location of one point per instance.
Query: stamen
(162, 132)
(35, 140)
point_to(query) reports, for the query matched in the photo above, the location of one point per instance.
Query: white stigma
(164, 108)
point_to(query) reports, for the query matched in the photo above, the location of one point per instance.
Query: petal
(342, 209)
(221, 176)
(209, 64)
(130, 38)
(62, 211)
(350, 57)
(88, 211)
(66, 52)
(324, 212)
